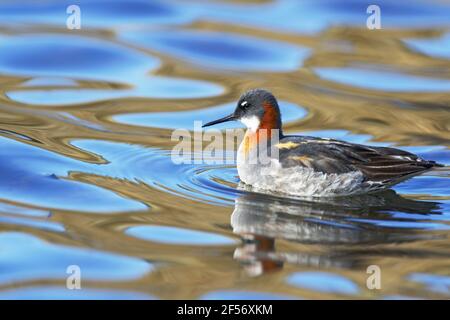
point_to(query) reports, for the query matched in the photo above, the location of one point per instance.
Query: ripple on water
(281, 15)
(23, 211)
(193, 181)
(416, 13)
(179, 236)
(323, 282)
(435, 47)
(93, 12)
(185, 119)
(33, 223)
(224, 50)
(143, 87)
(70, 56)
(36, 177)
(245, 295)
(56, 61)
(383, 80)
(310, 16)
(24, 257)
(435, 217)
(433, 282)
(49, 82)
(420, 185)
(61, 293)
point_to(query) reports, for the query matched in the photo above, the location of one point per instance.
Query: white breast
(252, 123)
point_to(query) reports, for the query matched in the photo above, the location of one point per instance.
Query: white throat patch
(252, 123)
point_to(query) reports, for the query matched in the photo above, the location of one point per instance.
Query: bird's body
(308, 166)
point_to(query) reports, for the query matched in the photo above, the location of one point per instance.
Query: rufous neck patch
(271, 117)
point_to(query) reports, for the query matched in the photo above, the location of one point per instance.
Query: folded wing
(378, 164)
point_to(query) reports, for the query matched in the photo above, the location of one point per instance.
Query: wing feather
(378, 164)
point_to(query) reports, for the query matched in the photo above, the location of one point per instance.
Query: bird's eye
(244, 104)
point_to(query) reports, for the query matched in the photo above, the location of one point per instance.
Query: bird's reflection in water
(336, 223)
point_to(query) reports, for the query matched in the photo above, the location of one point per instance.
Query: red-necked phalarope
(309, 166)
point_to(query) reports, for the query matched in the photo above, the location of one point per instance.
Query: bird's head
(256, 109)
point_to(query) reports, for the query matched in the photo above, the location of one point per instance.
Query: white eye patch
(244, 103)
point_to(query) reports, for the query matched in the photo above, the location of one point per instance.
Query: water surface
(87, 179)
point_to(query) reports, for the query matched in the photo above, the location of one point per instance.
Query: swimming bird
(310, 166)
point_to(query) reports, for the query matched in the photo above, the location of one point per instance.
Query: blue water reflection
(185, 119)
(433, 282)
(438, 47)
(132, 162)
(38, 224)
(323, 282)
(13, 209)
(143, 87)
(282, 15)
(70, 56)
(245, 295)
(172, 235)
(62, 59)
(383, 80)
(95, 13)
(223, 50)
(312, 16)
(24, 257)
(62, 293)
(37, 177)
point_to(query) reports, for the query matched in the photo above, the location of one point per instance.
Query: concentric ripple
(38, 177)
(212, 184)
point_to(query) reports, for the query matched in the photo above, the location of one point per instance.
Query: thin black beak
(231, 117)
